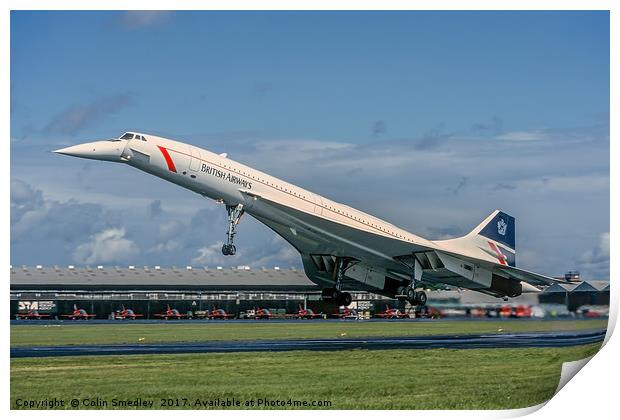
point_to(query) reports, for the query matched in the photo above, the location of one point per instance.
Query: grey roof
(158, 278)
(559, 288)
(591, 286)
(601, 285)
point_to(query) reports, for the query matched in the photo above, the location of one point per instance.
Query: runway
(516, 340)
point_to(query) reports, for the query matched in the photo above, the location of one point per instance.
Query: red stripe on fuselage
(500, 256)
(169, 161)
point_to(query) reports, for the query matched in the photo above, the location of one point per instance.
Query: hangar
(593, 292)
(147, 290)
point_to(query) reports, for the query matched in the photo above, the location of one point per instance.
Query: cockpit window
(127, 136)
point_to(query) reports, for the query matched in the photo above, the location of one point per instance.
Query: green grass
(125, 332)
(352, 379)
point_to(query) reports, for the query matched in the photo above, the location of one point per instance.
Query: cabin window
(127, 136)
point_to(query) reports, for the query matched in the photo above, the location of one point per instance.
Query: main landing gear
(414, 297)
(336, 294)
(234, 216)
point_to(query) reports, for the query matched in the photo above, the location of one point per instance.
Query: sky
(429, 120)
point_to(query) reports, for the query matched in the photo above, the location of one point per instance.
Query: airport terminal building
(149, 290)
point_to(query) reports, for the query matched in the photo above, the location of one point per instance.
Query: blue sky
(427, 119)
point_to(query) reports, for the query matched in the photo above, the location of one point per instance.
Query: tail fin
(495, 236)
(499, 227)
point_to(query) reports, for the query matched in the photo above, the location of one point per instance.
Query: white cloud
(604, 243)
(595, 261)
(600, 252)
(301, 146)
(577, 184)
(210, 255)
(284, 255)
(171, 229)
(534, 135)
(165, 247)
(106, 247)
(276, 252)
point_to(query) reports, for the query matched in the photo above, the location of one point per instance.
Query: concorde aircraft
(341, 248)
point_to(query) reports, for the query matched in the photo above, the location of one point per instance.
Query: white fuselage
(322, 230)
(220, 178)
(223, 179)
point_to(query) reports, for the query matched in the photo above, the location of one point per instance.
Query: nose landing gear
(234, 216)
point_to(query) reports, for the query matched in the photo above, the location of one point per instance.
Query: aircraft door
(318, 203)
(194, 163)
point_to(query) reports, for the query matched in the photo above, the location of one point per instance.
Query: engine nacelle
(506, 287)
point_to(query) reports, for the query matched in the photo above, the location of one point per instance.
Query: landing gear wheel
(421, 298)
(329, 294)
(333, 295)
(411, 294)
(229, 249)
(345, 299)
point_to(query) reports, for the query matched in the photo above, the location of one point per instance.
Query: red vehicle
(522, 311)
(391, 313)
(593, 311)
(262, 313)
(126, 313)
(428, 312)
(505, 311)
(171, 313)
(78, 313)
(346, 313)
(217, 313)
(31, 314)
(305, 314)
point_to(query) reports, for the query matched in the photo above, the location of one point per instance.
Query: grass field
(352, 379)
(125, 332)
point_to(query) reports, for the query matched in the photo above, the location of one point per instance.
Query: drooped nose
(98, 150)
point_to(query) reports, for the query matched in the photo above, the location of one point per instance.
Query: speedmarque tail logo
(501, 227)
